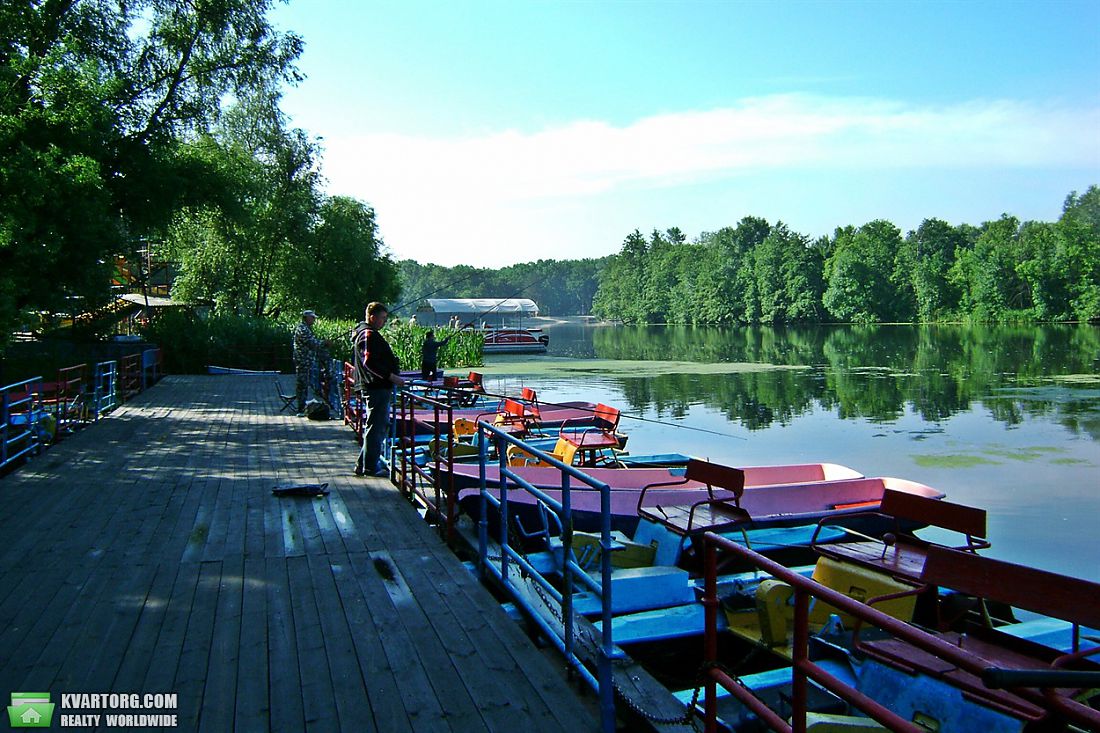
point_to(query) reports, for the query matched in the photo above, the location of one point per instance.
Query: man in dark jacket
(429, 357)
(377, 373)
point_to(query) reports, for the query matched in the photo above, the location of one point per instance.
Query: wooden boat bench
(900, 553)
(1072, 600)
(709, 515)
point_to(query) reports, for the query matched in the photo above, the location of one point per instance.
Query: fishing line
(502, 301)
(639, 418)
(448, 285)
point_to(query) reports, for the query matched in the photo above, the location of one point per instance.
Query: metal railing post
(607, 648)
(483, 505)
(710, 635)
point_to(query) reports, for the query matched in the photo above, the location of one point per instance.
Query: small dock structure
(146, 555)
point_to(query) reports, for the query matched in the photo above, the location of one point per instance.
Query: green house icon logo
(30, 710)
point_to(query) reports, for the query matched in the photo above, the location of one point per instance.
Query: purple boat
(773, 496)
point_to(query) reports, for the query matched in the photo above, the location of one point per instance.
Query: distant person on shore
(429, 357)
(306, 349)
(376, 374)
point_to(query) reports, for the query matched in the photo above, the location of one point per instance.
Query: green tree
(621, 289)
(343, 264)
(247, 257)
(95, 99)
(923, 262)
(1080, 229)
(986, 274)
(787, 272)
(861, 275)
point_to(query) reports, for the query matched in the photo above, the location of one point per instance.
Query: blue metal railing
(20, 414)
(572, 573)
(104, 388)
(150, 367)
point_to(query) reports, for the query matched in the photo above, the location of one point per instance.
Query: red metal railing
(804, 669)
(354, 410)
(69, 398)
(412, 477)
(129, 376)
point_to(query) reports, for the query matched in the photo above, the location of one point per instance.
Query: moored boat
(515, 340)
(773, 496)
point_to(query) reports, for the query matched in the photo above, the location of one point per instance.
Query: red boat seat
(601, 436)
(516, 417)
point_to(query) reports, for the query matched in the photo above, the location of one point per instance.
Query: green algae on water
(1026, 453)
(954, 460)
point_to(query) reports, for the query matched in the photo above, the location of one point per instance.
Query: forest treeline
(142, 132)
(756, 272)
(762, 273)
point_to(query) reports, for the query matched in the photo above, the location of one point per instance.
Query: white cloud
(481, 191)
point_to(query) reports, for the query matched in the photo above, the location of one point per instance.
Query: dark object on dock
(287, 399)
(301, 490)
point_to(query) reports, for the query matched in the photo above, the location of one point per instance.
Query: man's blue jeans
(376, 428)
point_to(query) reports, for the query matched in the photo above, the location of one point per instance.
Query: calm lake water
(1004, 418)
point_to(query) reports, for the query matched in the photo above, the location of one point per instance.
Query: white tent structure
(497, 312)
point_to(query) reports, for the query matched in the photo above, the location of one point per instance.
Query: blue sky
(491, 133)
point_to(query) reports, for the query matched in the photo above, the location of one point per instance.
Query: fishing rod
(448, 285)
(639, 418)
(501, 302)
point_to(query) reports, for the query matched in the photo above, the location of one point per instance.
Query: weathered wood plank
(219, 690)
(194, 658)
(479, 628)
(458, 707)
(286, 695)
(382, 688)
(252, 709)
(352, 702)
(416, 694)
(318, 700)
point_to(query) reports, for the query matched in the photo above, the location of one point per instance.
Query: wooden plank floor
(147, 554)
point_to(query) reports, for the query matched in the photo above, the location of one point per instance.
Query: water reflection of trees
(872, 372)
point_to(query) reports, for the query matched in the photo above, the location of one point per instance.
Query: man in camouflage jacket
(307, 347)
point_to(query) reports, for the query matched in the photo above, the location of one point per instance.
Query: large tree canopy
(96, 101)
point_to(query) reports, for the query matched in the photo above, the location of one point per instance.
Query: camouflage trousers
(301, 384)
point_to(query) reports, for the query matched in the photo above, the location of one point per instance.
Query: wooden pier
(146, 554)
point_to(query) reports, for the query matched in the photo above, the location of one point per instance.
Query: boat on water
(515, 340)
(516, 416)
(503, 322)
(772, 496)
